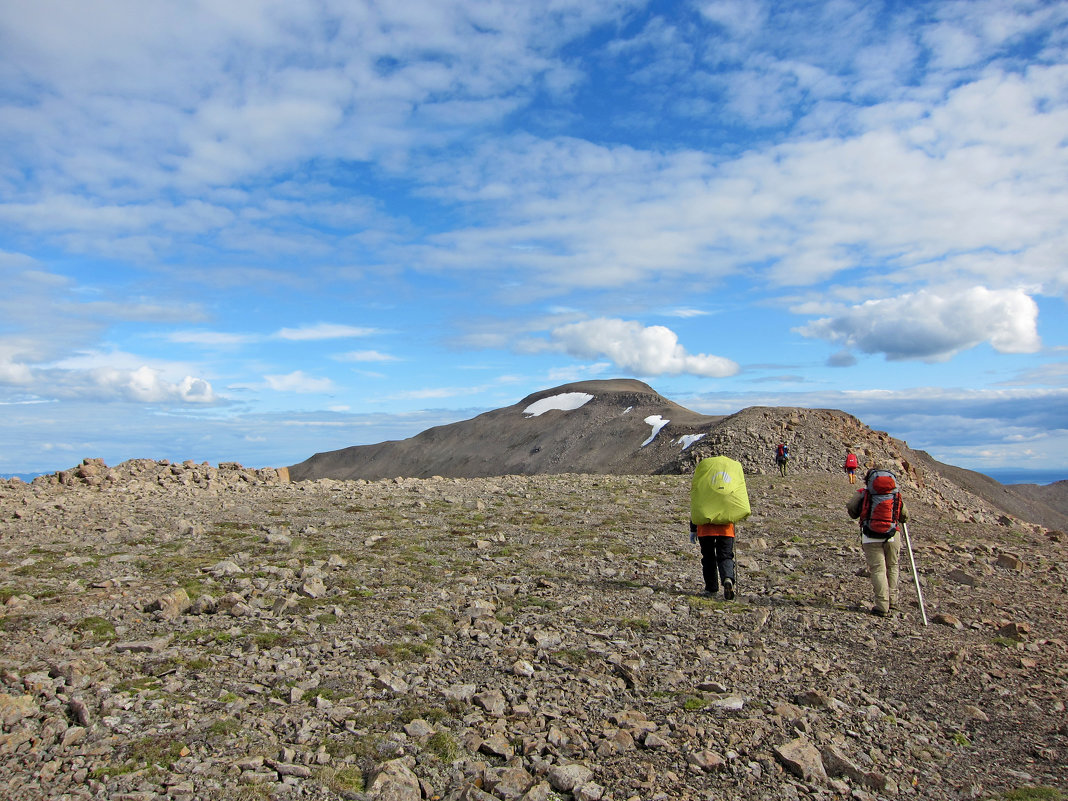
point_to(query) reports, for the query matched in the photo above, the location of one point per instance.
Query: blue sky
(253, 231)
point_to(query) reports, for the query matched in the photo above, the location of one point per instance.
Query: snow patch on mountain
(566, 402)
(657, 422)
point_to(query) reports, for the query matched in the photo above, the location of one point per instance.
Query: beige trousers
(882, 559)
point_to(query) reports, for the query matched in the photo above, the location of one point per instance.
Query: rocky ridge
(610, 434)
(186, 631)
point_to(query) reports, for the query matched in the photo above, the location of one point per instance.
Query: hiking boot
(878, 612)
(728, 589)
(710, 593)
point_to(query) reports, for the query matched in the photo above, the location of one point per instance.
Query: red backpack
(881, 508)
(851, 461)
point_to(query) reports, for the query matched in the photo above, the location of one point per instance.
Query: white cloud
(642, 350)
(739, 17)
(147, 386)
(141, 385)
(911, 173)
(952, 47)
(965, 183)
(107, 376)
(15, 373)
(687, 313)
(365, 356)
(204, 94)
(324, 331)
(933, 326)
(300, 382)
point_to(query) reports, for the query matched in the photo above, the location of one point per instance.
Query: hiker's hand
(693, 537)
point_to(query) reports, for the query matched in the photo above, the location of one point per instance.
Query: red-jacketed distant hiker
(880, 509)
(850, 467)
(718, 500)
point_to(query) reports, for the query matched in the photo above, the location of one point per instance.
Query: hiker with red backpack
(782, 455)
(880, 510)
(850, 467)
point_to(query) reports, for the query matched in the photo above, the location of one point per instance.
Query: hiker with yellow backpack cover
(718, 500)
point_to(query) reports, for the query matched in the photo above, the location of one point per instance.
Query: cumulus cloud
(641, 350)
(103, 376)
(932, 325)
(148, 386)
(143, 384)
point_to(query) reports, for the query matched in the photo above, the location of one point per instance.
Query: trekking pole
(915, 575)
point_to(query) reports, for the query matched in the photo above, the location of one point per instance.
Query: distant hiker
(782, 455)
(851, 467)
(879, 508)
(718, 500)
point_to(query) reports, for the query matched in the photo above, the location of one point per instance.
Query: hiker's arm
(904, 515)
(854, 504)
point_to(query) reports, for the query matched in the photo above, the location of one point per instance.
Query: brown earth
(187, 631)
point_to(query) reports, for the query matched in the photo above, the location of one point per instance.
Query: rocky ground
(192, 632)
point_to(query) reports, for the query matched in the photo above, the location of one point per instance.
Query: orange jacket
(715, 530)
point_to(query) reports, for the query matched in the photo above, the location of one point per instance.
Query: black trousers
(717, 561)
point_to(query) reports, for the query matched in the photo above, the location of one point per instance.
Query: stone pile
(177, 631)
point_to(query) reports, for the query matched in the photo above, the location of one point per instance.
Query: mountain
(624, 427)
(1054, 495)
(599, 427)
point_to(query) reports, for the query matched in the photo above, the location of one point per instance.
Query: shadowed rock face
(610, 435)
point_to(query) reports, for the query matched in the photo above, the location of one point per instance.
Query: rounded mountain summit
(617, 426)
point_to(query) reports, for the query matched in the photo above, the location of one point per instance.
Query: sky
(252, 231)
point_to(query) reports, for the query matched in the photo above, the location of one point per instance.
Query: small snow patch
(627, 409)
(657, 422)
(567, 402)
(689, 439)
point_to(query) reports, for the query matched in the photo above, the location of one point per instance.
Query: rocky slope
(1054, 496)
(613, 433)
(182, 631)
(603, 435)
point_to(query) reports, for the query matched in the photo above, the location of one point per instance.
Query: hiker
(850, 467)
(718, 500)
(879, 508)
(782, 454)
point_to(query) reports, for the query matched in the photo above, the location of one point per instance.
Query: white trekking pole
(915, 575)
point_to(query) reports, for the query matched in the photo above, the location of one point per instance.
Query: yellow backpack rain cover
(717, 493)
